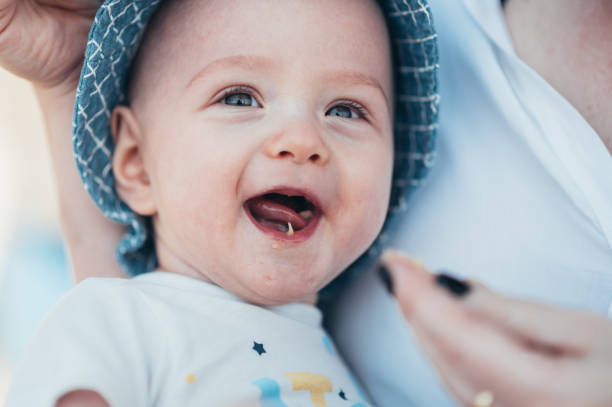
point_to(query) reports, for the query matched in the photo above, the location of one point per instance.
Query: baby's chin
(271, 299)
(271, 289)
(267, 284)
(279, 294)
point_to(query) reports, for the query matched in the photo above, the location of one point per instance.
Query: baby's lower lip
(297, 236)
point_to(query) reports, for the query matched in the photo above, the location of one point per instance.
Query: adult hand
(491, 350)
(44, 40)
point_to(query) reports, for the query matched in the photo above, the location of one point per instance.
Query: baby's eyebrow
(355, 78)
(246, 61)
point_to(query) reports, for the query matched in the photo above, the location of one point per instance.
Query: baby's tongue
(275, 212)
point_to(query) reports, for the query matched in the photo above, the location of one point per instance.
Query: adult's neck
(569, 43)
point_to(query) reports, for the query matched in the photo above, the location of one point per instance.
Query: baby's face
(267, 141)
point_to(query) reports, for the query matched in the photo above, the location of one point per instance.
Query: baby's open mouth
(283, 215)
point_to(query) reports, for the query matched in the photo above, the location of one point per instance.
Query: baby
(257, 139)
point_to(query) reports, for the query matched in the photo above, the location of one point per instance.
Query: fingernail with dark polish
(385, 276)
(456, 287)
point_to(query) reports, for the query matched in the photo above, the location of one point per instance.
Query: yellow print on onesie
(314, 383)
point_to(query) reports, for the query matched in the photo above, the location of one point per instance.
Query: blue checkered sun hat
(113, 42)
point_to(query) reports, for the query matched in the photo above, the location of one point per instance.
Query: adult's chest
(569, 44)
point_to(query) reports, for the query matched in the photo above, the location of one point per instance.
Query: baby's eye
(347, 111)
(240, 99)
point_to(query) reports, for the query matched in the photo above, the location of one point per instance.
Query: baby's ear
(131, 178)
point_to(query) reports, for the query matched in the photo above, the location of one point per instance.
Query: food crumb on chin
(275, 245)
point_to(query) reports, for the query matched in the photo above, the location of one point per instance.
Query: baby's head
(257, 136)
(261, 144)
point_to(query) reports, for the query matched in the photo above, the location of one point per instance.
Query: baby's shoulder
(102, 293)
(102, 304)
(152, 298)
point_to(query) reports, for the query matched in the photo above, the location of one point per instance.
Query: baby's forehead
(183, 31)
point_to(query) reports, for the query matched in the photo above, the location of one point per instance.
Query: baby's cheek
(370, 192)
(365, 214)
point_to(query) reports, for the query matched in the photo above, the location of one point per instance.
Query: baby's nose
(300, 142)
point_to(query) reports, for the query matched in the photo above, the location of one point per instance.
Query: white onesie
(163, 339)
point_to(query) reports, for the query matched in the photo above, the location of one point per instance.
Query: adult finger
(543, 326)
(73, 4)
(5, 4)
(7, 11)
(44, 44)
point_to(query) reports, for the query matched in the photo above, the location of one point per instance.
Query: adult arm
(500, 351)
(44, 42)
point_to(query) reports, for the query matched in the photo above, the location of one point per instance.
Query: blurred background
(34, 271)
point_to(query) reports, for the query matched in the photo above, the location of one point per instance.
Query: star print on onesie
(258, 347)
